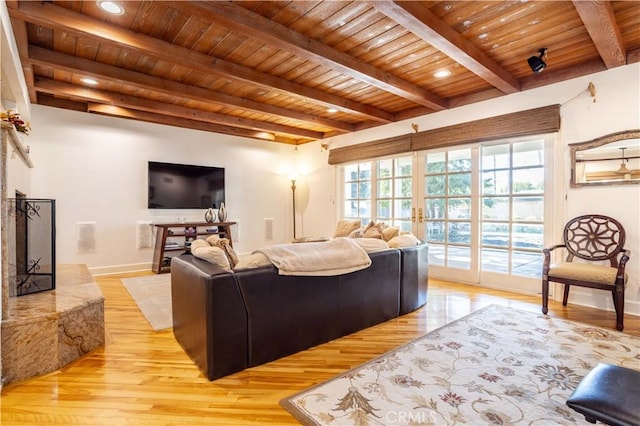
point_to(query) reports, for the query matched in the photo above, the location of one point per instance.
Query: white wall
(617, 108)
(95, 167)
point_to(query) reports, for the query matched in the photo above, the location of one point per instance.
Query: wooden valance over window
(530, 122)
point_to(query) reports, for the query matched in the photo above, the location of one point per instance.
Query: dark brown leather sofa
(228, 321)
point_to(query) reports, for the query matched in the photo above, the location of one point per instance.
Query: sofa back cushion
(346, 227)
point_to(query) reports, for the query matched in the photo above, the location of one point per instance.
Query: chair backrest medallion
(594, 237)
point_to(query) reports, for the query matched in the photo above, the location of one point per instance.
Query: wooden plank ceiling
(299, 71)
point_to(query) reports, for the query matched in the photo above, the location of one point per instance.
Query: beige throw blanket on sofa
(333, 257)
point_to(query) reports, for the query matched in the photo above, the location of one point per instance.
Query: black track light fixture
(536, 63)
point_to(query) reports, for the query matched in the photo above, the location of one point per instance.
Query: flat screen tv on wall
(183, 186)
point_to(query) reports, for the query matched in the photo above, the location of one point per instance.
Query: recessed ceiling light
(111, 7)
(332, 110)
(89, 81)
(442, 74)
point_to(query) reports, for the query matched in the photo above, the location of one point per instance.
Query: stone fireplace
(41, 331)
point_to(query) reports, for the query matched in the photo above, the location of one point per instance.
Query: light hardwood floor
(142, 377)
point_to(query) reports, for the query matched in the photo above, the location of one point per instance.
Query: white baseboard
(119, 269)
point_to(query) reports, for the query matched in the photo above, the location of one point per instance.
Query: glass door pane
(394, 182)
(448, 211)
(512, 212)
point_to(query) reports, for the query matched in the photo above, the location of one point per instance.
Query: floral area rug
(496, 366)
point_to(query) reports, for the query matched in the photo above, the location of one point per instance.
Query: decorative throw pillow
(199, 243)
(373, 230)
(224, 244)
(390, 232)
(406, 240)
(214, 255)
(346, 227)
(253, 260)
(357, 233)
(213, 239)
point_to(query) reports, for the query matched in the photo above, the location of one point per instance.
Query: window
(391, 186)
(357, 191)
(394, 192)
(512, 220)
(447, 205)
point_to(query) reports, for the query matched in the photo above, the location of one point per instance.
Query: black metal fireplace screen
(32, 261)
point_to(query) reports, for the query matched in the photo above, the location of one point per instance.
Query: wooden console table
(186, 232)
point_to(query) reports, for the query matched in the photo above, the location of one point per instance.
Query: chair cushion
(608, 393)
(585, 272)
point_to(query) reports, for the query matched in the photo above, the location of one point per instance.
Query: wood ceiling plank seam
(39, 55)
(187, 35)
(347, 26)
(416, 52)
(64, 42)
(381, 28)
(629, 24)
(320, 19)
(511, 30)
(286, 15)
(245, 50)
(371, 51)
(170, 16)
(174, 27)
(144, 104)
(52, 15)
(456, 10)
(316, 76)
(599, 19)
(287, 69)
(352, 33)
(149, 18)
(86, 48)
(266, 59)
(237, 18)
(518, 12)
(215, 40)
(436, 32)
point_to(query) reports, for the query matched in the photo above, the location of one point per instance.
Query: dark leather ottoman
(609, 394)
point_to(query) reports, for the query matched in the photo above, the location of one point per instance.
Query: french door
(484, 209)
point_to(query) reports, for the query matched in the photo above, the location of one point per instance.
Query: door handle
(413, 214)
(420, 215)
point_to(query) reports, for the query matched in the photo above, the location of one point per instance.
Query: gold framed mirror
(612, 159)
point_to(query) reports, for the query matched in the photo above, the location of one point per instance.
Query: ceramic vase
(222, 213)
(209, 215)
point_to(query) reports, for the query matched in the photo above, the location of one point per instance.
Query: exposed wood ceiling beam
(92, 95)
(600, 21)
(22, 41)
(60, 61)
(240, 19)
(51, 16)
(417, 18)
(121, 112)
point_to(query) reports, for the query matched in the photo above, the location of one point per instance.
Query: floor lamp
(293, 198)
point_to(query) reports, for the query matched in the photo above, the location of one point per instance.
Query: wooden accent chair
(594, 238)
